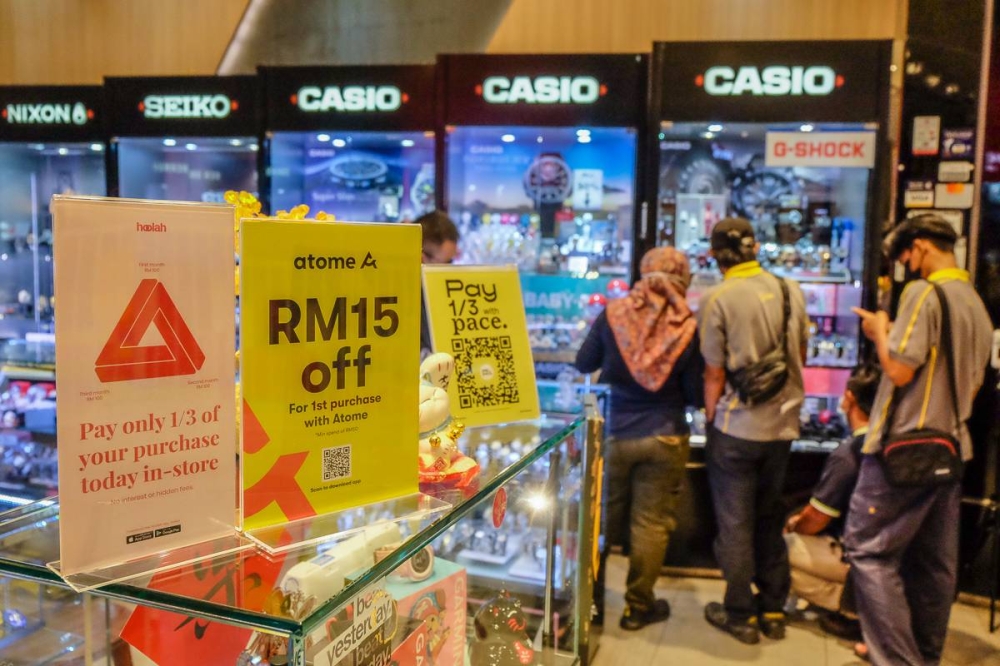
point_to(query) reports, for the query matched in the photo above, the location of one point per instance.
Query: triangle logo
(122, 359)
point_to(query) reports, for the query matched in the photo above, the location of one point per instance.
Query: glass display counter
(504, 576)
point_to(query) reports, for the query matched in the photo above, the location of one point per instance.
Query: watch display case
(503, 577)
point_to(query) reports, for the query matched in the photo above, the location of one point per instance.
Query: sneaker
(634, 620)
(772, 625)
(841, 626)
(741, 630)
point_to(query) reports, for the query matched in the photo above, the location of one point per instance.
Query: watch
(548, 182)
(422, 190)
(358, 171)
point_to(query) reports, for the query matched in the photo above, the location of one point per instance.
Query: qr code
(484, 370)
(337, 463)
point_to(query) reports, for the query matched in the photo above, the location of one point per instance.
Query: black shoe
(772, 625)
(634, 620)
(841, 626)
(743, 631)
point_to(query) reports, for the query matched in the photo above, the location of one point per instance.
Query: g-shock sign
(47, 114)
(775, 80)
(187, 106)
(349, 98)
(541, 90)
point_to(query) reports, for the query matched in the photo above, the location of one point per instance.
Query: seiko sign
(541, 90)
(349, 98)
(775, 81)
(187, 106)
(47, 114)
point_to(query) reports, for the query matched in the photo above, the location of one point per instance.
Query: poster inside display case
(186, 168)
(356, 176)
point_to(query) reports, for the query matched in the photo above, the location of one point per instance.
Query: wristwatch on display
(422, 190)
(548, 182)
(417, 568)
(358, 171)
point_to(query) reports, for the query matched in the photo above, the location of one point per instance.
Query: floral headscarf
(653, 325)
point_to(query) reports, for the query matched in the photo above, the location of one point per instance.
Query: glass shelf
(542, 460)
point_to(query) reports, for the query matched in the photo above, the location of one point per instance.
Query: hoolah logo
(47, 114)
(541, 90)
(122, 359)
(350, 98)
(776, 80)
(187, 106)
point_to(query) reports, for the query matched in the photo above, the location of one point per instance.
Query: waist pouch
(921, 458)
(759, 382)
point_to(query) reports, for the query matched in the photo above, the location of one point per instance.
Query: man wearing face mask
(902, 541)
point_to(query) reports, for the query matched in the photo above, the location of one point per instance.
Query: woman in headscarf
(645, 346)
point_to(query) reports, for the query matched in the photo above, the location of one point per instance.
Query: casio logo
(47, 114)
(187, 106)
(541, 90)
(350, 98)
(776, 80)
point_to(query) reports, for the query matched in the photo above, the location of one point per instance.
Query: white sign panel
(820, 149)
(588, 189)
(146, 412)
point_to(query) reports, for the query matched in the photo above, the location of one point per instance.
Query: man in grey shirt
(902, 542)
(741, 321)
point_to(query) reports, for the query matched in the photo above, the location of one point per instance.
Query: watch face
(548, 180)
(760, 192)
(358, 171)
(422, 191)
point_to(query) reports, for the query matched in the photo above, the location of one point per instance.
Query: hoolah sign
(820, 149)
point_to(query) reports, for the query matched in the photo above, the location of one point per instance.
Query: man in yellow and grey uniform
(902, 542)
(740, 321)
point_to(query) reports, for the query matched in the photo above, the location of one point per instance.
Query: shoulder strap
(945, 345)
(787, 309)
(949, 349)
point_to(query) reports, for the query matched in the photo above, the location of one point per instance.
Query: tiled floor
(687, 640)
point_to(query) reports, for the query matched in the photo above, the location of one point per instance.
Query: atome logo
(123, 359)
(775, 81)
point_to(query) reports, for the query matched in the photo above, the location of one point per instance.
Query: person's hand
(875, 325)
(793, 521)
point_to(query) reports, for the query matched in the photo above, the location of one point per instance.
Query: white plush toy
(440, 461)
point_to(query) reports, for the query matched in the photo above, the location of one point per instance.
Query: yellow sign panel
(329, 358)
(477, 315)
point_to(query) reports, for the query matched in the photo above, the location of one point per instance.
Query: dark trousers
(643, 480)
(902, 544)
(746, 479)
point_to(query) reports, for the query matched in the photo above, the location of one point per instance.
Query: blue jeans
(643, 481)
(746, 479)
(902, 544)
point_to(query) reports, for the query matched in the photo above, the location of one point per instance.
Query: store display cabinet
(506, 574)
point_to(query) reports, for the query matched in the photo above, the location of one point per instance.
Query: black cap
(920, 226)
(732, 234)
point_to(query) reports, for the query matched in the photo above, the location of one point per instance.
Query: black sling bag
(925, 457)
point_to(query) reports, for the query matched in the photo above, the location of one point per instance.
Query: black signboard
(828, 81)
(544, 90)
(183, 106)
(377, 97)
(51, 113)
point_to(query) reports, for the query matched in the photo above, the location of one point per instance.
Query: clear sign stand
(409, 513)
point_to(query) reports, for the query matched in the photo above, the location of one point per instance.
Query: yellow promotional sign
(477, 315)
(329, 335)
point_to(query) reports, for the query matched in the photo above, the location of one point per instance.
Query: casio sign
(775, 80)
(349, 98)
(187, 106)
(541, 90)
(47, 114)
